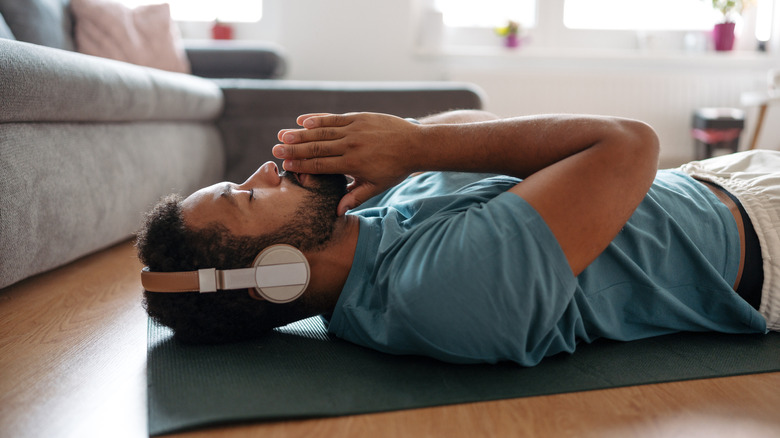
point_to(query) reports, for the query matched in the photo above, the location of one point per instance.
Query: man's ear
(255, 295)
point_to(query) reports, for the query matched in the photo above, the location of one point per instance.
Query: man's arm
(458, 116)
(584, 175)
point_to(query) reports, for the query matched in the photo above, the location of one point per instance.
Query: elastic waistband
(752, 280)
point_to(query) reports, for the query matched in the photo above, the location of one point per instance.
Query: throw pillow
(44, 22)
(5, 32)
(145, 35)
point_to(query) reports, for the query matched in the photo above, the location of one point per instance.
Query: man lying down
(469, 238)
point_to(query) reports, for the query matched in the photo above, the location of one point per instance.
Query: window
(765, 13)
(603, 24)
(209, 10)
(636, 15)
(487, 13)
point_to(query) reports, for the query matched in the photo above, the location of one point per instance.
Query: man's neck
(331, 265)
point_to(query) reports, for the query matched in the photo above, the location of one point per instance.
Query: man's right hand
(377, 150)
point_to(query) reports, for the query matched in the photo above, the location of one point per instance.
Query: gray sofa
(88, 144)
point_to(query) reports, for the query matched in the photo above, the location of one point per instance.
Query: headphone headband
(280, 274)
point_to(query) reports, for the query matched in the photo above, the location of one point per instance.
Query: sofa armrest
(231, 59)
(255, 110)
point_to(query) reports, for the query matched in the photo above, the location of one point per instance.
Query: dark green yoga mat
(300, 372)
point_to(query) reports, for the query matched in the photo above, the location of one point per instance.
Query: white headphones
(279, 274)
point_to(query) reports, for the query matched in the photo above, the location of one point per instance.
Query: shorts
(753, 177)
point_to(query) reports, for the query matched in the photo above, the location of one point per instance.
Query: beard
(311, 228)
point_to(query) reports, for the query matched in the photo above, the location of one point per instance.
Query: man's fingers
(348, 202)
(311, 121)
(357, 196)
(303, 117)
(344, 205)
(315, 165)
(305, 151)
(309, 135)
(282, 133)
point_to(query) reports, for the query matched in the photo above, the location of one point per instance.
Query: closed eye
(251, 194)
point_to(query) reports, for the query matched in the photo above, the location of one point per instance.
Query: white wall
(376, 40)
(660, 90)
(339, 39)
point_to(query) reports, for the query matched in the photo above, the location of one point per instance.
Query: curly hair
(165, 244)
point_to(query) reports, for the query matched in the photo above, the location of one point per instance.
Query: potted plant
(511, 34)
(723, 32)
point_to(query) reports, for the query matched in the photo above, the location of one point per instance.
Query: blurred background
(658, 61)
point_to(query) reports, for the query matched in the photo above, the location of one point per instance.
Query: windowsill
(599, 57)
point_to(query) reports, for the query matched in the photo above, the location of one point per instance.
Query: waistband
(752, 279)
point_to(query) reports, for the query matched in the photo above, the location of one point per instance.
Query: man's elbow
(642, 144)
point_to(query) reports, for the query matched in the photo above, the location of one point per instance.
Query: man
(575, 238)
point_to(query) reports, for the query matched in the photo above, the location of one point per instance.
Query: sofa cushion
(5, 32)
(145, 35)
(44, 22)
(40, 84)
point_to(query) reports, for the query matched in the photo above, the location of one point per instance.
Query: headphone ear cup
(282, 274)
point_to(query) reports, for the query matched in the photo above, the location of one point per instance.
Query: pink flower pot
(723, 36)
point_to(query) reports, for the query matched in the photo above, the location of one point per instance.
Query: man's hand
(376, 150)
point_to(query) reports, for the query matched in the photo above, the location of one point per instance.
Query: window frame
(551, 33)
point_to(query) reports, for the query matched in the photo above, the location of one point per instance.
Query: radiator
(663, 98)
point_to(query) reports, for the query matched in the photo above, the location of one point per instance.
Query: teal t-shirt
(451, 266)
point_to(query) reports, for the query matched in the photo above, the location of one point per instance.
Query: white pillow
(145, 35)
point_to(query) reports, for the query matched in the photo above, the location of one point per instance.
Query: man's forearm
(458, 117)
(517, 146)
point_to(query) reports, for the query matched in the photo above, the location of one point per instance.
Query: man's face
(299, 209)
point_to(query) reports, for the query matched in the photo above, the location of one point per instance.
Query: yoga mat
(299, 371)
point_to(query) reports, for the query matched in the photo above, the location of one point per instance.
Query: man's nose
(265, 175)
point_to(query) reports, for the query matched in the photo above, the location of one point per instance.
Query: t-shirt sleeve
(484, 284)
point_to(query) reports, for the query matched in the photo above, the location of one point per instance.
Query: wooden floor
(73, 363)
